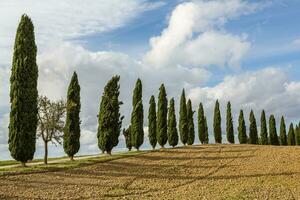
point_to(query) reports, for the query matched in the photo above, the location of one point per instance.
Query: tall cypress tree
(72, 127)
(201, 124)
(206, 141)
(137, 117)
(242, 129)
(297, 135)
(183, 121)
(23, 94)
(152, 122)
(291, 135)
(127, 135)
(273, 132)
(263, 129)
(172, 129)
(109, 118)
(191, 129)
(253, 137)
(229, 125)
(162, 111)
(217, 123)
(283, 139)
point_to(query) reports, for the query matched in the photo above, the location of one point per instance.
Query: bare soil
(193, 172)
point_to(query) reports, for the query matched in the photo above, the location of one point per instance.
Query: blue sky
(246, 52)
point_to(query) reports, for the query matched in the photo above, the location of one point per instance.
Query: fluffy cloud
(196, 27)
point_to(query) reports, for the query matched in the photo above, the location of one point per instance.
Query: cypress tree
(23, 94)
(127, 135)
(229, 125)
(172, 129)
(109, 118)
(263, 129)
(206, 141)
(72, 127)
(297, 135)
(217, 123)
(273, 133)
(283, 139)
(253, 137)
(162, 111)
(137, 117)
(291, 135)
(191, 129)
(152, 122)
(201, 124)
(183, 121)
(242, 129)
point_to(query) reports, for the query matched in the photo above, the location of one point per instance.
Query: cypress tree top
(23, 94)
(291, 135)
(72, 127)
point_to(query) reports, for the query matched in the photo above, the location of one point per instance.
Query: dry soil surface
(195, 172)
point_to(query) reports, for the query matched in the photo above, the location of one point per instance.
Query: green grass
(64, 165)
(13, 162)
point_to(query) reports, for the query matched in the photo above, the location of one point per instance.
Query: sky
(246, 52)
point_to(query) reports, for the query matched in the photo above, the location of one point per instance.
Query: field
(193, 172)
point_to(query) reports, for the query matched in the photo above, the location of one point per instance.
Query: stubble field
(193, 172)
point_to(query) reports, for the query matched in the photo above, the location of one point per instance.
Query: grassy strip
(68, 164)
(13, 162)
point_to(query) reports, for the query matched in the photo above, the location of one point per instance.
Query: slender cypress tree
(201, 124)
(152, 122)
(127, 135)
(172, 129)
(191, 129)
(72, 127)
(229, 125)
(162, 111)
(23, 94)
(253, 137)
(137, 117)
(109, 118)
(273, 132)
(297, 135)
(183, 121)
(242, 129)
(263, 129)
(206, 141)
(283, 139)
(291, 135)
(217, 123)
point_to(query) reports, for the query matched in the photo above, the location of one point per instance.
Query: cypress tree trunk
(206, 141)
(191, 129)
(137, 116)
(23, 94)
(291, 135)
(109, 118)
(72, 128)
(242, 129)
(162, 111)
(253, 137)
(201, 124)
(229, 125)
(172, 129)
(263, 129)
(273, 133)
(152, 122)
(217, 124)
(183, 121)
(283, 139)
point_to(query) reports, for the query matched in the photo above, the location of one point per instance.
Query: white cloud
(56, 21)
(195, 35)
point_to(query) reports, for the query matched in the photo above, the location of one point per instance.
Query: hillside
(195, 172)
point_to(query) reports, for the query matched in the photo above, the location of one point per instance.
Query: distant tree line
(32, 116)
